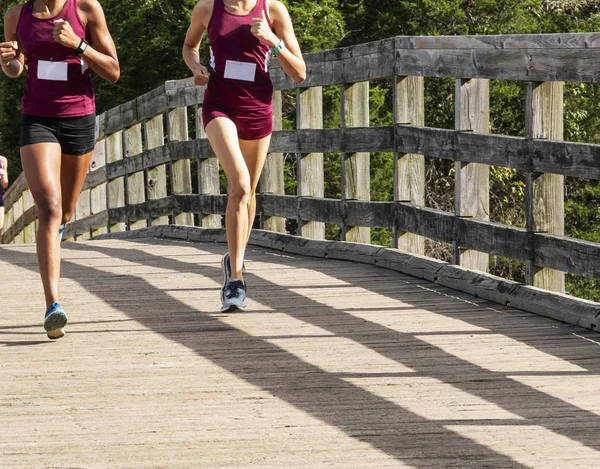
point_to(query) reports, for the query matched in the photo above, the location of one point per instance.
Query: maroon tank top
(239, 61)
(58, 82)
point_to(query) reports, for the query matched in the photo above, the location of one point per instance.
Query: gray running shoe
(233, 296)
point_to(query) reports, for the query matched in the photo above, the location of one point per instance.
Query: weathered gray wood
(15, 191)
(208, 174)
(83, 208)
(98, 194)
(272, 179)
(544, 119)
(215, 204)
(15, 232)
(156, 179)
(472, 179)
(409, 168)
(30, 230)
(152, 104)
(310, 166)
(95, 223)
(183, 93)
(356, 167)
(502, 41)
(116, 187)
(181, 171)
(136, 185)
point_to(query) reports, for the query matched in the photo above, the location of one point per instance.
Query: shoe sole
(55, 321)
(232, 308)
(56, 334)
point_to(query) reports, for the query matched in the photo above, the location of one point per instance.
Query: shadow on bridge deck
(333, 365)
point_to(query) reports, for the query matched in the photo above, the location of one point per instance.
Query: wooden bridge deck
(334, 365)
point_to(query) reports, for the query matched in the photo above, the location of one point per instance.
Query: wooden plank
(205, 203)
(98, 194)
(151, 104)
(136, 185)
(209, 182)
(545, 201)
(409, 168)
(472, 189)
(356, 166)
(181, 171)
(183, 93)
(15, 233)
(15, 191)
(575, 65)
(115, 187)
(310, 166)
(272, 180)
(156, 178)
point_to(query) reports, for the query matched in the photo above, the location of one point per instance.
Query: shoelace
(232, 290)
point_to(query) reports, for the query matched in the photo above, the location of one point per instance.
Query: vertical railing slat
(310, 172)
(136, 187)
(181, 170)
(116, 187)
(272, 179)
(156, 177)
(472, 179)
(546, 193)
(409, 184)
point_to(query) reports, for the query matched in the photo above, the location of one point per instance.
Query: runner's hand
(64, 34)
(201, 76)
(8, 51)
(261, 29)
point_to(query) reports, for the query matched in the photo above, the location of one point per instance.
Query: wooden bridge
(350, 355)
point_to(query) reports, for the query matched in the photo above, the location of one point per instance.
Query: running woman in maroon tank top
(59, 42)
(237, 107)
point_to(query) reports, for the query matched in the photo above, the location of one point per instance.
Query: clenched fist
(201, 76)
(8, 51)
(64, 34)
(261, 29)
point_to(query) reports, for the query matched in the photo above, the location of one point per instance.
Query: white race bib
(55, 71)
(240, 70)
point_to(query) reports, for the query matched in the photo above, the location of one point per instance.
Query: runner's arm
(4, 176)
(12, 58)
(290, 57)
(101, 54)
(191, 55)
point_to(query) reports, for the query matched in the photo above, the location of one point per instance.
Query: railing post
(136, 188)
(157, 177)
(208, 177)
(545, 192)
(356, 167)
(310, 166)
(181, 172)
(272, 180)
(472, 179)
(116, 187)
(83, 209)
(409, 178)
(30, 231)
(98, 194)
(18, 211)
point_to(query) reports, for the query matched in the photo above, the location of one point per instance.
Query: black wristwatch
(83, 45)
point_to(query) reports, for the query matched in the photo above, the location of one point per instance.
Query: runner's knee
(49, 207)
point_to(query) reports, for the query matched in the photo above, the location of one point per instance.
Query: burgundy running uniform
(239, 86)
(58, 81)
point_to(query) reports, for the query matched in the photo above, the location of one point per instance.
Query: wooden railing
(141, 174)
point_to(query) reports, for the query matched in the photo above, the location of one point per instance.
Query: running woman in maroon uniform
(59, 41)
(237, 108)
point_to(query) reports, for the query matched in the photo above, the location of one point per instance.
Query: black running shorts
(75, 135)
